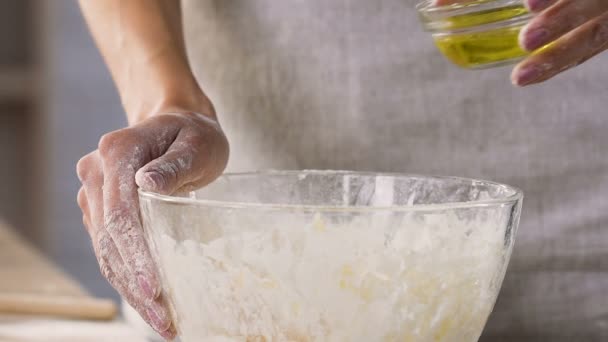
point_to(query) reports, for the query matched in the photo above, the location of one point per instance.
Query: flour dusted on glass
(429, 280)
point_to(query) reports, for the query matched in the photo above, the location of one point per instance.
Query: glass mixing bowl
(477, 34)
(332, 256)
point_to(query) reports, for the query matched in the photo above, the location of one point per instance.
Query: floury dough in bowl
(428, 278)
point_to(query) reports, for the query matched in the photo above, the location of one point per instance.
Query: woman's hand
(167, 147)
(576, 29)
(163, 154)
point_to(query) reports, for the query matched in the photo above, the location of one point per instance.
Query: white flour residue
(431, 279)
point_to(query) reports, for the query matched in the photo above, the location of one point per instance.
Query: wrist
(168, 99)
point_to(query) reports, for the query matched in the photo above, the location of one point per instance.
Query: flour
(428, 277)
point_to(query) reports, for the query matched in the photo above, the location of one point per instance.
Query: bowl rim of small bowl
(435, 19)
(424, 6)
(515, 195)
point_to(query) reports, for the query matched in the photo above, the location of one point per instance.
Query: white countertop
(50, 330)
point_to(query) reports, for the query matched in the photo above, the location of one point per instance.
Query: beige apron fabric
(357, 85)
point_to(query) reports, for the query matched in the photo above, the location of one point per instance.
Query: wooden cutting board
(30, 284)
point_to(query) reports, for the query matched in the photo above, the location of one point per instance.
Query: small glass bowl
(477, 34)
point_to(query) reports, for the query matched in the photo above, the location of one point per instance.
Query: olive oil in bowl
(477, 34)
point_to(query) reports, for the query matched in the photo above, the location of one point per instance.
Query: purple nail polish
(146, 287)
(527, 75)
(535, 38)
(537, 5)
(158, 323)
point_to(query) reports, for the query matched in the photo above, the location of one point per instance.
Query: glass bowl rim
(515, 195)
(434, 18)
(427, 6)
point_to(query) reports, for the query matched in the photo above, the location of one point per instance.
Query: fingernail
(169, 334)
(536, 38)
(537, 5)
(526, 75)
(154, 180)
(145, 286)
(159, 323)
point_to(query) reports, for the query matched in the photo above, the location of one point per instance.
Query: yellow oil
(479, 49)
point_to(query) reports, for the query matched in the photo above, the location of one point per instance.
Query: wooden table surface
(27, 276)
(25, 270)
(32, 285)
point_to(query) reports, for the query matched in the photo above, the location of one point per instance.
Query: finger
(84, 207)
(121, 156)
(189, 161)
(569, 51)
(112, 267)
(86, 213)
(103, 246)
(558, 20)
(90, 198)
(539, 5)
(170, 333)
(82, 201)
(118, 274)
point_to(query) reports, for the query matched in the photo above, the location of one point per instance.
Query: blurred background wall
(56, 100)
(18, 108)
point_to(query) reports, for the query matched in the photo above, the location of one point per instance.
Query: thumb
(185, 165)
(195, 158)
(168, 173)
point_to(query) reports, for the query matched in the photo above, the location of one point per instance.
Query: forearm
(143, 45)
